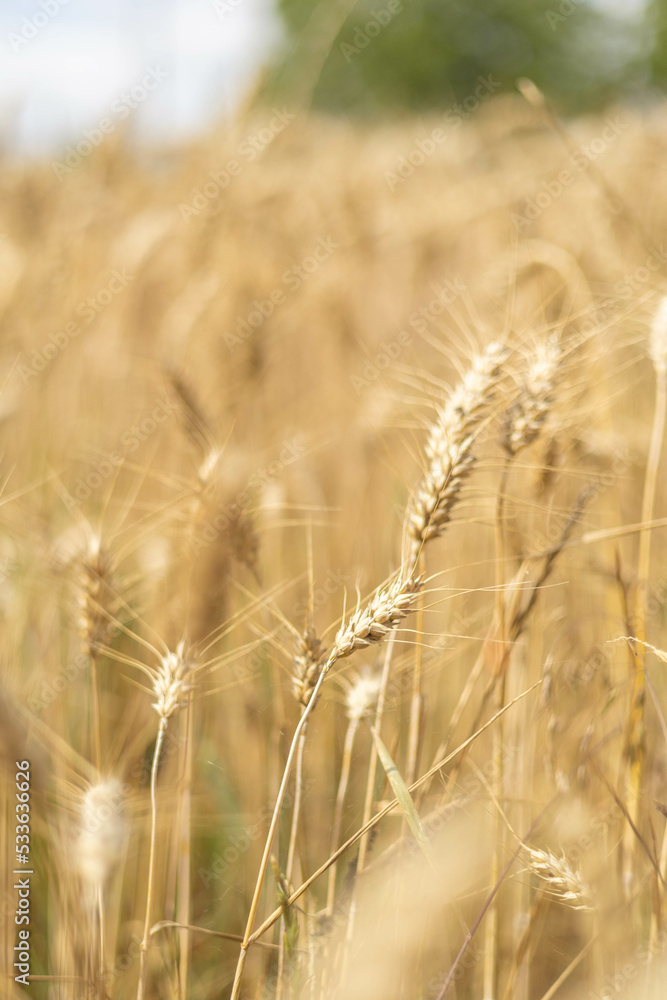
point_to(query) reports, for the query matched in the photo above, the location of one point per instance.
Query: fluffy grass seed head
(102, 832)
(561, 879)
(172, 681)
(362, 694)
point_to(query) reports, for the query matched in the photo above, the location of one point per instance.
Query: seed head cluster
(372, 623)
(171, 682)
(102, 831)
(449, 447)
(524, 421)
(307, 665)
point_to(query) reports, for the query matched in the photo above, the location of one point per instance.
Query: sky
(66, 64)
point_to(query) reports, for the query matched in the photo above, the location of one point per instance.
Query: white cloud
(67, 76)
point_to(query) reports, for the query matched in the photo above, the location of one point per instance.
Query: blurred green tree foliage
(378, 56)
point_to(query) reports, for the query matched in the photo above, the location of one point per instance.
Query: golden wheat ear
(449, 447)
(307, 665)
(523, 422)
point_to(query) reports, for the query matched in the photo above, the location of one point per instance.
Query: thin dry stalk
(366, 626)
(522, 424)
(362, 694)
(306, 668)
(171, 686)
(636, 739)
(368, 826)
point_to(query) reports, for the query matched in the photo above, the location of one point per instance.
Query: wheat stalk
(636, 733)
(172, 681)
(366, 626)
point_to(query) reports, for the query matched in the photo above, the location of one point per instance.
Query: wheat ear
(449, 448)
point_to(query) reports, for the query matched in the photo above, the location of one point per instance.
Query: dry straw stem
(362, 694)
(636, 749)
(520, 603)
(171, 683)
(522, 424)
(370, 785)
(366, 626)
(389, 807)
(616, 204)
(201, 438)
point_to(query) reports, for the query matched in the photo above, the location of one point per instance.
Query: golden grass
(355, 481)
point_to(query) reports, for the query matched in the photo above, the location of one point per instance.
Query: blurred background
(217, 374)
(64, 63)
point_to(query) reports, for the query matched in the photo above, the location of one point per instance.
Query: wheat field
(332, 561)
